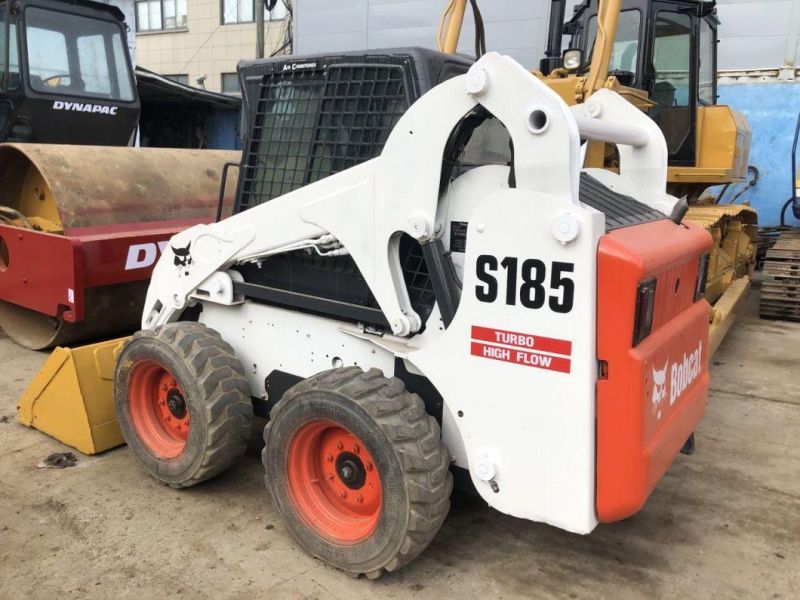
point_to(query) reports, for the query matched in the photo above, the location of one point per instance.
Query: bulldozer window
(625, 52)
(706, 83)
(672, 84)
(76, 55)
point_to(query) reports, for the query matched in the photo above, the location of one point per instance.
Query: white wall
(753, 33)
(515, 27)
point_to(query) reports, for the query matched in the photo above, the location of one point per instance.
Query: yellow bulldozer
(661, 55)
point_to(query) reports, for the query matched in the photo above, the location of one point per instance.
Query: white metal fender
(533, 424)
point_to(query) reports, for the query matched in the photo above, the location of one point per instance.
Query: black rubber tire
(216, 393)
(405, 443)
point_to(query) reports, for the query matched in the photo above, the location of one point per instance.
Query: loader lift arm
(341, 213)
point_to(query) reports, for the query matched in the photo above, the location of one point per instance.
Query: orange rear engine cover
(653, 395)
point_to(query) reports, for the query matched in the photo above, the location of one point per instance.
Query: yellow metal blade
(72, 397)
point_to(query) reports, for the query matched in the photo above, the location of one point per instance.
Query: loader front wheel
(357, 470)
(183, 403)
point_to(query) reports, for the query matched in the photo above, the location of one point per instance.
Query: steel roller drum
(100, 199)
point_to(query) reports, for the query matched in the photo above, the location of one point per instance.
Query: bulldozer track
(780, 288)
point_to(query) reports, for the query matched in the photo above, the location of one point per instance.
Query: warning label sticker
(458, 236)
(521, 348)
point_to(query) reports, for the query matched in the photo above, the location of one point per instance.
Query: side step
(780, 287)
(72, 397)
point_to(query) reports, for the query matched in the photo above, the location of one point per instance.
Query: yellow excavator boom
(607, 19)
(452, 21)
(450, 26)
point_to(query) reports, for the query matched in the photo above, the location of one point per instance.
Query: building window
(159, 15)
(276, 14)
(230, 83)
(184, 79)
(243, 11)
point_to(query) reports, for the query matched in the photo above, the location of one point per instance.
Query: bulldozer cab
(65, 74)
(667, 49)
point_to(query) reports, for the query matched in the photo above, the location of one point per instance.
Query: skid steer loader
(537, 325)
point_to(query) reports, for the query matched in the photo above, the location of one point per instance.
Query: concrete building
(199, 42)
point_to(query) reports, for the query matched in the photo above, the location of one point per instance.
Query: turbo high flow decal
(522, 349)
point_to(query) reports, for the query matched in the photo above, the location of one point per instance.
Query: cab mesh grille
(310, 124)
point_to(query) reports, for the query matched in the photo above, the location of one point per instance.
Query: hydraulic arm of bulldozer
(364, 210)
(450, 26)
(452, 21)
(601, 55)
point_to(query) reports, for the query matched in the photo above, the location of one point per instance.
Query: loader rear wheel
(183, 403)
(357, 470)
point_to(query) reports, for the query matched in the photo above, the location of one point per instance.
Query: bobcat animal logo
(659, 389)
(182, 256)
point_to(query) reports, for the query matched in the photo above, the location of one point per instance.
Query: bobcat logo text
(675, 378)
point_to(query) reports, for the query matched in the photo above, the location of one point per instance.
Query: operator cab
(667, 48)
(65, 73)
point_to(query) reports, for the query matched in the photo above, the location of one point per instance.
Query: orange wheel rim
(334, 482)
(158, 409)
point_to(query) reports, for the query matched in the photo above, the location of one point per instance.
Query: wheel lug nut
(343, 494)
(356, 449)
(329, 457)
(339, 445)
(164, 387)
(360, 499)
(369, 466)
(330, 477)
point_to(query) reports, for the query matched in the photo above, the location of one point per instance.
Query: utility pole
(259, 7)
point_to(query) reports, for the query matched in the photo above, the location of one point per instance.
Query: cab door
(9, 68)
(671, 77)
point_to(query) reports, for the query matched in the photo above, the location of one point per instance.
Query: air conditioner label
(521, 349)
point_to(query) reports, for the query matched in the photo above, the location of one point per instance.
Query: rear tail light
(702, 274)
(645, 302)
